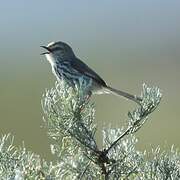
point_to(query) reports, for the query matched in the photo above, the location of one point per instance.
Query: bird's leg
(87, 96)
(86, 99)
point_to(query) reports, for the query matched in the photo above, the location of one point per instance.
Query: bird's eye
(57, 49)
(60, 48)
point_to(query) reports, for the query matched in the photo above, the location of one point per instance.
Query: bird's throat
(51, 59)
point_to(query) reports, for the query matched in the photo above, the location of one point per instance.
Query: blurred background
(126, 42)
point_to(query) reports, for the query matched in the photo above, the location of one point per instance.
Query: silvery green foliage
(69, 119)
(125, 159)
(119, 144)
(161, 165)
(19, 164)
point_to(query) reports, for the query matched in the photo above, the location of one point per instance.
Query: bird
(67, 66)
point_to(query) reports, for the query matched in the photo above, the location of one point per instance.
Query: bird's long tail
(123, 94)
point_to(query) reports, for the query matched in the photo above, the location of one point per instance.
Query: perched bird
(66, 65)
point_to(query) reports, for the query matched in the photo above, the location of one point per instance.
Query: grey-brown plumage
(66, 65)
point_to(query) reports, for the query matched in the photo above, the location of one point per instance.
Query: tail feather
(124, 94)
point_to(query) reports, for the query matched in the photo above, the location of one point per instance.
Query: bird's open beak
(48, 50)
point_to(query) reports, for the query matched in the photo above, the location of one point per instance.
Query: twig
(115, 142)
(83, 173)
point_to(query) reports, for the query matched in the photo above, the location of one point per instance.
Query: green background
(126, 42)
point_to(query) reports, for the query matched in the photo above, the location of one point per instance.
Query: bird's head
(58, 51)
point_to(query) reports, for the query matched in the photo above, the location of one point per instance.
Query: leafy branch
(81, 130)
(69, 120)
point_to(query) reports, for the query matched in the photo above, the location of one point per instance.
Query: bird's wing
(84, 69)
